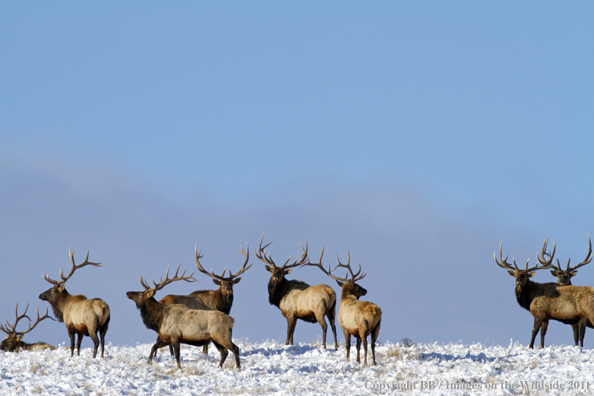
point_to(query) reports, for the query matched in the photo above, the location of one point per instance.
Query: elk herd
(202, 317)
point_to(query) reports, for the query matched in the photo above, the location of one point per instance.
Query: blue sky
(417, 134)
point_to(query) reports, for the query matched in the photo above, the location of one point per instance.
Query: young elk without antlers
(357, 318)
(80, 315)
(545, 301)
(220, 299)
(177, 323)
(296, 299)
(14, 339)
(564, 279)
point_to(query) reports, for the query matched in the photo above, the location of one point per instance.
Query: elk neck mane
(525, 295)
(221, 303)
(152, 314)
(276, 293)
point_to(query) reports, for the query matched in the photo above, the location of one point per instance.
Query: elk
(14, 339)
(564, 279)
(220, 299)
(177, 324)
(296, 299)
(80, 315)
(357, 318)
(545, 301)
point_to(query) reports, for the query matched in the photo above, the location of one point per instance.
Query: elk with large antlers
(80, 315)
(220, 299)
(357, 318)
(564, 279)
(14, 339)
(296, 299)
(545, 301)
(177, 324)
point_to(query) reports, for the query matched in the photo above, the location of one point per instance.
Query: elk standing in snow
(14, 339)
(177, 324)
(564, 279)
(545, 301)
(80, 315)
(296, 299)
(357, 318)
(220, 299)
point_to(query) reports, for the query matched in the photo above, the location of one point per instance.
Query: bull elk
(220, 299)
(357, 318)
(545, 301)
(177, 324)
(80, 315)
(564, 279)
(296, 299)
(14, 339)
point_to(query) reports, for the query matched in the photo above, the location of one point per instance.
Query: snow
(304, 369)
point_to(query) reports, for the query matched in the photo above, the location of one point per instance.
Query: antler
(10, 328)
(74, 268)
(163, 283)
(354, 277)
(222, 276)
(321, 266)
(299, 261)
(502, 262)
(587, 260)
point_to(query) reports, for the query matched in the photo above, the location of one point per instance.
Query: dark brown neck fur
(278, 292)
(151, 312)
(220, 302)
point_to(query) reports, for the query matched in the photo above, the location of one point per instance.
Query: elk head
(523, 275)
(13, 337)
(348, 286)
(564, 276)
(142, 296)
(58, 287)
(278, 273)
(225, 283)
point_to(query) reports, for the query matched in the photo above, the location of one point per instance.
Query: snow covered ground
(304, 369)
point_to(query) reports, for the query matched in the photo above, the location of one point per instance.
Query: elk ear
(512, 273)
(150, 293)
(236, 281)
(19, 338)
(217, 282)
(573, 273)
(340, 283)
(553, 272)
(61, 287)
(268, 268)
(287, 272)
(531, 274)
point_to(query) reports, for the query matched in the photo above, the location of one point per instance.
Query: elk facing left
(80, 315)
(14, 339)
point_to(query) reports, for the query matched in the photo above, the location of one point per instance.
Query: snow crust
(305, 369)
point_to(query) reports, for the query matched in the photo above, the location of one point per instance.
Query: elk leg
(347, 338)
(223, 351)
(543, 330)
(176, 349)
(72, 335)
(102, 333)
(374, 334)
(291, 323)
(535, 329)
(95, 339)
(331, 317)
(171, 351)
(576, 334)
(358, 347)
(158, 344)
(228, 345)
(80, 337)
(322, 322)
(581, 330)
(205, 349)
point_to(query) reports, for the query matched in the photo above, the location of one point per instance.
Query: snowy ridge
(273, 368)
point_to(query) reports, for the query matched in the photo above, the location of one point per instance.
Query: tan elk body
(220, 299)
(545, 301)
(81, 316)
(564, 279)
(298, 300)
(357, 318)
(14, 339)
(177, 324)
